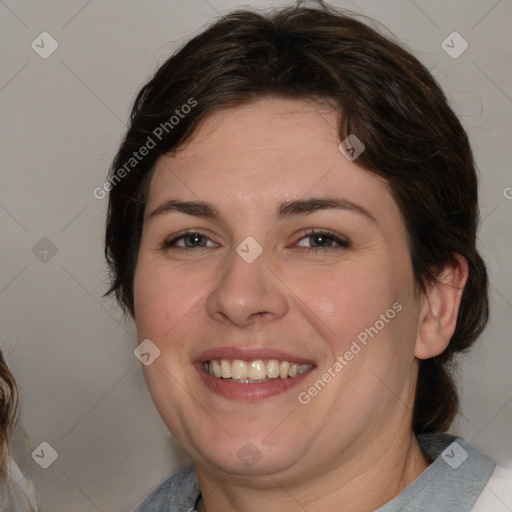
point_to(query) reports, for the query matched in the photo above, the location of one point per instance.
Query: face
(271, 260)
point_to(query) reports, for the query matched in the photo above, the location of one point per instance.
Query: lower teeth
(248, 381)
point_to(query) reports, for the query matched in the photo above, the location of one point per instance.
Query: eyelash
(343, 243)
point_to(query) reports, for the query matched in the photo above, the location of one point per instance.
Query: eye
(187, 240)
(321, 240)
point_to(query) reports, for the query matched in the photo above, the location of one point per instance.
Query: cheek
(163, 296)
(346, 300)
(368, 304)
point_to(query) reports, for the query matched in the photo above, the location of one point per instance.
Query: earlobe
(439, 309)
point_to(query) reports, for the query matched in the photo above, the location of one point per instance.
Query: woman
(16, 493)
(292, 223)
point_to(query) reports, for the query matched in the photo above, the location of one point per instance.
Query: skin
(353, 442)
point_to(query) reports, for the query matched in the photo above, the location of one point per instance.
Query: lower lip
(241, 391)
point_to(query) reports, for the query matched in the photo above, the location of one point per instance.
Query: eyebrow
(286, 210)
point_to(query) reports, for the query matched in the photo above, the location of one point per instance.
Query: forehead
(270, 151)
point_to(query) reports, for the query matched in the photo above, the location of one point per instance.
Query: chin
(249, 460)
(249, 453)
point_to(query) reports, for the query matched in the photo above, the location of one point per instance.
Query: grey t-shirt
(452, 482)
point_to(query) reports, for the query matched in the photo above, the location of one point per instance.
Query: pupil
(320, 240)
(195, 240)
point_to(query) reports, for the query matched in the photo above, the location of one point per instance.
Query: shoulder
(179, 492)
(497, 493)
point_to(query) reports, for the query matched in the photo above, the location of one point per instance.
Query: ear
(439, 309)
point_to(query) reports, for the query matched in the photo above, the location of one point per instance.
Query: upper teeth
(254, 370)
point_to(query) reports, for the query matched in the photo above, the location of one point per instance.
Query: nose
(247, 293)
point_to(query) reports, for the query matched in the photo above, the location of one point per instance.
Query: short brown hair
(384, 96)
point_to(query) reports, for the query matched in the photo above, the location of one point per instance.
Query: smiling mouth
(254, 372)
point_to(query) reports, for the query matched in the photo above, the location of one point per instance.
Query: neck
(378, 478)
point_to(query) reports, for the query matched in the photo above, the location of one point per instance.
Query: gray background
(62, 120)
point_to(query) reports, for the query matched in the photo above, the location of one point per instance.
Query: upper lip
(249, 354)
